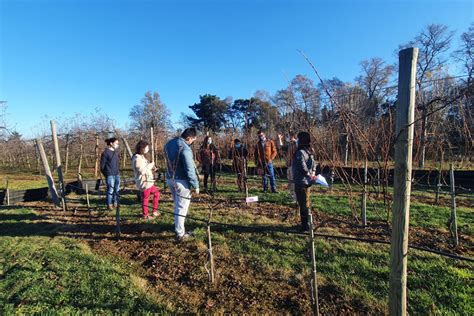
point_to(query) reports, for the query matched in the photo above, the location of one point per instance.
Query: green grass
(40, 274)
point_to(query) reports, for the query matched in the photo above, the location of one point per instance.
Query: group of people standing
(182, 176)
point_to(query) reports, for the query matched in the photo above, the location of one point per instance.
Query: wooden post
(127, 146)
(117, 220)
(96, 166)
(364, 197)
(57, 153)
(87, 197)
(38, 165)
(209, 248)
(66, 158)
(378, 182)
(314, 275)
(453, 222)
(152, 141)
(47, 172)
(402, 181)
(7, 192)
(79, 163)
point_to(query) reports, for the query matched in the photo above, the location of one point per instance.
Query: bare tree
(433, 43)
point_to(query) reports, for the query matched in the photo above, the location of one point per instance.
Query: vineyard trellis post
(209, 249)
(453, 222)
(7, 192)
(58, 165)
(314, 275)
(47, 172)
(152, 141)
(96, 166)
(364, 197)
(402, 181)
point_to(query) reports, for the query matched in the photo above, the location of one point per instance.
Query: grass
(40, 274)
(43, 272)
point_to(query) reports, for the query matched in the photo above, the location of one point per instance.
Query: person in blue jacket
(181, 177)
(109, 166)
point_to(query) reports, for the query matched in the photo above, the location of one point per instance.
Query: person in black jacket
(109, 166)
(304, 175)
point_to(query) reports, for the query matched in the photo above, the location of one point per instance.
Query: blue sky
(58, 58)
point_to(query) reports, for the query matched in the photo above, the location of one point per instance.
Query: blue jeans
(269, 172)
(113, 187)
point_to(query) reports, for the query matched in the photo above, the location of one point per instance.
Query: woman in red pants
(144, 178)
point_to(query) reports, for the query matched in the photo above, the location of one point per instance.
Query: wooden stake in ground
(402, 181)
(96, 166)
(47, 172)
(152, 141)
(66, 159)
(314, 275)
(59, 170)
(209, 249)
(453, 221)
(7, 193)
(364, 197)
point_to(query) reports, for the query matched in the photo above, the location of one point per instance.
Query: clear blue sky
(63, 57)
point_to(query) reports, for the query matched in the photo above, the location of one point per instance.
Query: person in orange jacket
(265, 153)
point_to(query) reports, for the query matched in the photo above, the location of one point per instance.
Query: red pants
(146, 197)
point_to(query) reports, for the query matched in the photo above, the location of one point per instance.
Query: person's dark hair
(304, 139)
(259, 132)
(189, 132)
(110, 141)
(140, 147)
(204, 142)
(236, 141)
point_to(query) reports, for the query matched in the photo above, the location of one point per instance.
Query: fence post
(209, 248)
(47, 172)
(453, 221)
(402, 181)
(364, 197)
(314, 275)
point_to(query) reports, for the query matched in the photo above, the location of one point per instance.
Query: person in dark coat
(304, 175)
(109, 166)
(209, 159)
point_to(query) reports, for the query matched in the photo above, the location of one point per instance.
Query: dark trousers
(303, 196)
(211, 171)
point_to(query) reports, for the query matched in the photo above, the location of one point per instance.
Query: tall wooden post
(152, 141)
(7, 193)
(453, 222)
(58, 164)
(37, 155)
(364, 197)
(402, 181)
(66, 158)
(47, 172)
(127, 146)
(96, 166)
(314, 274)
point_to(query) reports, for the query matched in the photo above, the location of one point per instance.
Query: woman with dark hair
(304, 174)
(209, 159)
(109, 166)
(144, 178)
